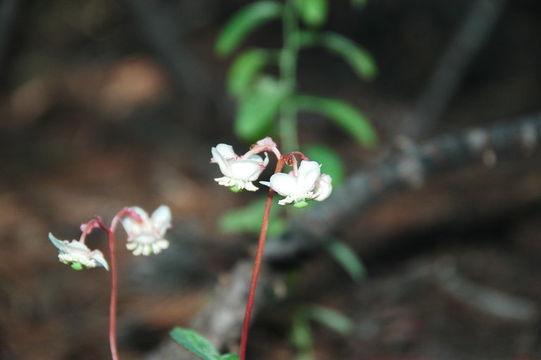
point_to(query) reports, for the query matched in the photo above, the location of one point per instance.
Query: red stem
(257, 267)
(114, 292)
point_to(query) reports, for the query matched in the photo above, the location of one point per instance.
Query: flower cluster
(145, 237)
(305, 182)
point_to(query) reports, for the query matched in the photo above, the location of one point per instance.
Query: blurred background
(105, 104)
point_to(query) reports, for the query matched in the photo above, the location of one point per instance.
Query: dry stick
(223, 316)
(442, 154)
(468, 40)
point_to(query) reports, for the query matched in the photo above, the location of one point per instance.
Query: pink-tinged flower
(239, 172)
(76, 254)
(307, 184)
(145, 235)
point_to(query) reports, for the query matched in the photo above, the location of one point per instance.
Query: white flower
(238, 172)
(307, 184)
(77, 255)
(145, 235)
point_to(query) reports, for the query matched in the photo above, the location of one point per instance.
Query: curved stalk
(257, 267)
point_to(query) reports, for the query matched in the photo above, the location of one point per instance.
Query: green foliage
(245, 69)
(331, 318)
(329, 160)
(198, 345)
(343, 114)
(258, 109)
(347, 258)
(243, 22)
(313, 12)
(301, 333)
(248, 220)
(359, 59)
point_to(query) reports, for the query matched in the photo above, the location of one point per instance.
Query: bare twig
(221, 320)
(442, 154)
(486, 300)
(468, 40)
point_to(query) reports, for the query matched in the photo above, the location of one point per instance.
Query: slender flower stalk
(114, 296)
(257, 266)
(145, 236)
(113, 299)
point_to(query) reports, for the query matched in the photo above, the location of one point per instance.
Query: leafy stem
(288, 73)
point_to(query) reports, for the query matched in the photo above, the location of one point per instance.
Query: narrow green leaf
(358, 58)
(301, 335)
(347, 258)
(258, 109)
(343, 114)
(195, 343)
(331, 318)
(329, 160)
(313, 12)
(248, 220)
(243, 22)
(244, 70)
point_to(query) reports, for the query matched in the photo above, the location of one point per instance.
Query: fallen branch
(221, 319)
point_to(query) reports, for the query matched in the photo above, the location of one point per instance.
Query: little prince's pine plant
(145, 237)
(301, 185)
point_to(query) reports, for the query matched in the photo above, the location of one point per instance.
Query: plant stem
(114, 292)
(257, 267)
(288, 74)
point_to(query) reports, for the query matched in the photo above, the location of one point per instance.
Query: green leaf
(244, 70)
(358, 58)
(313, 12)
(301, 335)
(347, 258)
(343, 114)
(248, 220)
(195, 343)
(329, 160)
(243, 22)
(331, 318)
(258, 109)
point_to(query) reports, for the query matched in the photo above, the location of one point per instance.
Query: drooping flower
(145, 235)
(307, 184)
(238, 171)
(76, 254)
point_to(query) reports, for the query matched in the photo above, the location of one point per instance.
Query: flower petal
(132, 226)
(283, 184)
(98, 256)
(161, 219)
(323, 187)
(248, 170)
(226, 151)
(59, 244)
(308, 174)
(221, 161)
